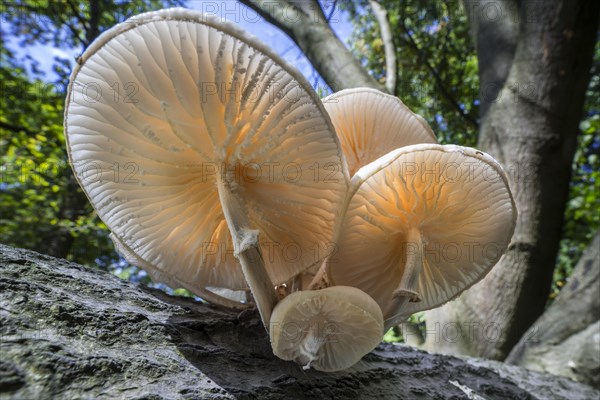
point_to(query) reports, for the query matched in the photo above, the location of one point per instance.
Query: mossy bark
(74, 333)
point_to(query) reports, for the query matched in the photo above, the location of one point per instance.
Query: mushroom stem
(309, 348)
(320, 280)
(246, 249)
(296, 283)
(406, 290)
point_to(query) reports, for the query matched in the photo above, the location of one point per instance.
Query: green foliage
(436, 62)
(42, 207)
(34, 170)
(415, 326)
(69, 24)
(582, 215)
(393, 335)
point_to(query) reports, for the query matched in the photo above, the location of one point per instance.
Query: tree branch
(388, 45)
(332, 11)
(305, 24)
(438, 80)
(74, 31)
(15, 128)
(94, 21)
(77, 15)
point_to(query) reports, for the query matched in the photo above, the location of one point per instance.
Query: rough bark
(531, 128)
(71, 332)
(304, 22)
(565, 340)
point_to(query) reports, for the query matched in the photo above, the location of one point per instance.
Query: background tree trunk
(565, 340)
(531, 128)
(70, 332)
(534, 67)
(305, 23)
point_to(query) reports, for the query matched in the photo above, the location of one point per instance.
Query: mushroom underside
(328, 329)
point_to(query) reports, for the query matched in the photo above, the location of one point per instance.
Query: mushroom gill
(427, 222)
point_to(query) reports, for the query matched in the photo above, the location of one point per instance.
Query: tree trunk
(534, 66)
(531, 127)
(304, 22)
(71, 332)
(565, 340)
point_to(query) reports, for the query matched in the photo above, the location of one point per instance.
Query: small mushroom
(371, 123)
(201, 149)
(427, 222)
(328, 329)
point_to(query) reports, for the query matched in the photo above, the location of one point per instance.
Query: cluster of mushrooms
(217, 169)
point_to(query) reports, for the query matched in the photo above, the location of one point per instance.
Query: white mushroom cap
(218, 296)
(328, 329)
(371, 123)
(428, 222)
(166, 103)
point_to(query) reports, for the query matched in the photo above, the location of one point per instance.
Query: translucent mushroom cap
(458, 201)
(371, 123)
(161, 106)
(328, 329)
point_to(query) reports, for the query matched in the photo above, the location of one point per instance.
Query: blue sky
(230, 10)
(275, 38)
